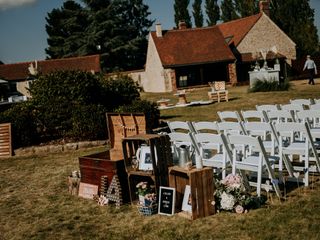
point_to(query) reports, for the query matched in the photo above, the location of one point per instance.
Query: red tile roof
(19, 71)
(238, 29)
(192, 46)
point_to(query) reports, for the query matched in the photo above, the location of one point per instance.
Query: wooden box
(122, 125)
(201, 184)
(93, 166)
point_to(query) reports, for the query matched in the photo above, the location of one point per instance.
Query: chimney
(182, 25)
(158, 30)
(264, 6)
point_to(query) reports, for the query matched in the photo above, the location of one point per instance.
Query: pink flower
(239, 209)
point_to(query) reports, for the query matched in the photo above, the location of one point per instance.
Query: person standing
(312, 69)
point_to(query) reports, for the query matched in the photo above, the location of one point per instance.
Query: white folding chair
(253, 116)
(302, 101)
(280, 116)
(205, 126)
(267, 107)
(180, 126)
(316, 101)
(214, 151)
(313, 118)
(231, 128)
(229, 116)
(270, 142)
(315, 106)
(255, 161)
(302, 146)
(294, 108)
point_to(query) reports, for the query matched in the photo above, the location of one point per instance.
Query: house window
(183, 81)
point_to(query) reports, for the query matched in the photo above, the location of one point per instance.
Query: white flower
(227, 201)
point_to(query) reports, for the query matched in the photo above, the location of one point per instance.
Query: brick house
(189, 57)
(19, 75)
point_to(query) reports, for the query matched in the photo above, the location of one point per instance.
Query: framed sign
(144, 157)
(167, 199)
(87, 190)
(187, 200)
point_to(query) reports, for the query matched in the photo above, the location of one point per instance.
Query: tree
(181, 12)
(213, 12)
(247, 7)
(197, 13)
(228, 11)
(65, 30)
(116, 29)
(296, 19)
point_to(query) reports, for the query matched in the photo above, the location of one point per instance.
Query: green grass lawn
(35, 203)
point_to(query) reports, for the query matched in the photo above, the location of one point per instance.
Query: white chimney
(158, 30)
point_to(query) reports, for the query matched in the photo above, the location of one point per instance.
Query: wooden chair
(218, 91)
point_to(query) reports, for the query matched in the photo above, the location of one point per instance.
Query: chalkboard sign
(167, 198)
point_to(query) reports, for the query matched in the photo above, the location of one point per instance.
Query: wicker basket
(148, 210)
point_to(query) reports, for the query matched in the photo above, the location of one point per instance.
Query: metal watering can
(183, 155)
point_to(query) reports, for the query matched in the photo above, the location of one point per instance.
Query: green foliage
(118, 27)
(269, 86)
(88, 122)
(23, 124)
(150, 110)
(119, 91)
(181, 12)
(296, 19)
(197, 13)
(212, 11)
(228, 10)
(65, 30)
(70, 105)
(247, 8)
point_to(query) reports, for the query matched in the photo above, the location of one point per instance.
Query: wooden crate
(160, 147)
(5, 140)
(122, 125)
(94, 166)
(202, 188)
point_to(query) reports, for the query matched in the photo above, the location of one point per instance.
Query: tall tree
(247, 7)
(117, 29)
(181, 12)
(228, 10)
(212, 11)
(197, 13)
(296, 18)
(65, 30)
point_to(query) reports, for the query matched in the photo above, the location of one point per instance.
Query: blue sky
(22, 25)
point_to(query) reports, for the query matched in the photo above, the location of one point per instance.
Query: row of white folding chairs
(278, 139)
(220, 152)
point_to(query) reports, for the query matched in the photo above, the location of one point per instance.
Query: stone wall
(264, 35)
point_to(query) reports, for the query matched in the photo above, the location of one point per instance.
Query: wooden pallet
(5, 140)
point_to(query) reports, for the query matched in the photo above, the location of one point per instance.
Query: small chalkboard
(167, 198)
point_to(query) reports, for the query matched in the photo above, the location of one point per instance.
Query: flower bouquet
(231, 195)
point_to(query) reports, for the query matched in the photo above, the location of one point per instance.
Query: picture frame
(167, 201)
(87, 190)
(145, 160)
(187, 200)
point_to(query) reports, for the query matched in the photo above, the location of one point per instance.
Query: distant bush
(69, 105)
(119, 91)
(269, 86)
(23, 124)
(150, 110)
